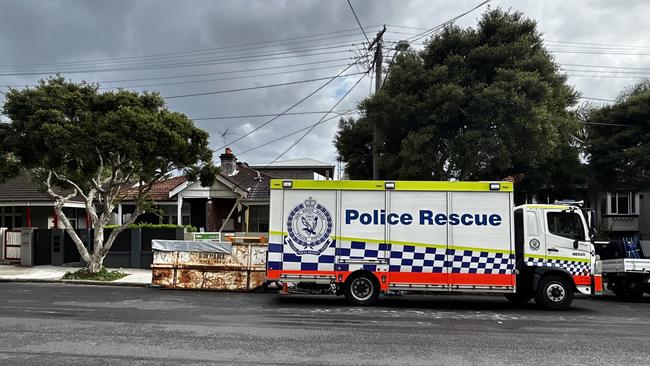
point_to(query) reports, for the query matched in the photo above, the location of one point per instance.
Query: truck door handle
(553, 250)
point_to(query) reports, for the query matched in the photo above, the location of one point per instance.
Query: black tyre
(520, 298)
(361, 289)
(554, 292)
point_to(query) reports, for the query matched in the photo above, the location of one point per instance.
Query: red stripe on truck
(463, 279)
(582, 280)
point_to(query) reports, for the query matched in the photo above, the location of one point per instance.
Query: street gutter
(76, 282)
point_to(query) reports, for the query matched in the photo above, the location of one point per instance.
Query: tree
(474, 104)
(94, 144)
(618, 141)
(354, 142)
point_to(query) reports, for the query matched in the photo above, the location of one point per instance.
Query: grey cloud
(66, 30)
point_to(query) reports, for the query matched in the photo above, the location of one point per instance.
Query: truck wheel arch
(540, 272)
(372, 288)
(364, 272)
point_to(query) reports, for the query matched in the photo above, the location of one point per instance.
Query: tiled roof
(23, 189)
(249, 180)
(159, 191)
(256, 184)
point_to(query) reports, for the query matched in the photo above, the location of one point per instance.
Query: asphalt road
(53, 324)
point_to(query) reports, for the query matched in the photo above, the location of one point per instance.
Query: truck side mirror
(592, 234)
(592, 219)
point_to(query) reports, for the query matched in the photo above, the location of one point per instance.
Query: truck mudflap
(597, 285)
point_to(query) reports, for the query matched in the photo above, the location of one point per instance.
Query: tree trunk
(95, 265)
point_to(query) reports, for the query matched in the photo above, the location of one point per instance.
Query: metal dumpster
(208, 265)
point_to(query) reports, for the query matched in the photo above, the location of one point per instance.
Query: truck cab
(554, 253)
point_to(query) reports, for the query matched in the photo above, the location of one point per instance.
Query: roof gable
(160, 191)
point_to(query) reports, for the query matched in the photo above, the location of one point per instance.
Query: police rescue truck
(363, 238)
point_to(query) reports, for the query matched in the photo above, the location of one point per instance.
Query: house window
(170, 215)
(258, 219)
(622, 203)
(71, 214)
(11, 217)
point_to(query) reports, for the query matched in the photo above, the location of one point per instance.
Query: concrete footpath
(15, 273)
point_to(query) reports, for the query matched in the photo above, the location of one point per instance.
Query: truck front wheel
(361, 289)
(554, 292)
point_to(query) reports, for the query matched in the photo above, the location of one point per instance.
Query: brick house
(238, 201)
(23, 203)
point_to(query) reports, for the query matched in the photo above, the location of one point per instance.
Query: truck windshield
(566, 224)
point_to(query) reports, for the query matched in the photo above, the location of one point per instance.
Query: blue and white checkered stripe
(307, 262)
(408, 258)
(402, 258)
(469, 261)
(274, 257)
(576, 268)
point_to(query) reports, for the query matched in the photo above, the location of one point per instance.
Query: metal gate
(12, 245)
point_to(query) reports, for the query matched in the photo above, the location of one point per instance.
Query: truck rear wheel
(628, 291)
(554, 292)
(361, 289)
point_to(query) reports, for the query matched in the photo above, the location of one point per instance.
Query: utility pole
(378, 133)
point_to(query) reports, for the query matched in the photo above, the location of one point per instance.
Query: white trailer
(628, 278)
(362, 238)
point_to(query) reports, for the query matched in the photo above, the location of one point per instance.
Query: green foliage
(475, 104)
(72, 129)
(618, 155)
(354, 144)
(102, 275)
(94, 144)
(188, 228)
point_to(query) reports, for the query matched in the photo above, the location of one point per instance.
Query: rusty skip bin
(208, 265)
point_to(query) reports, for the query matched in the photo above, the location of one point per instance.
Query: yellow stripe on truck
(379, 185)
(415, 244)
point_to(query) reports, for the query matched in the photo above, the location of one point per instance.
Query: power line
(259, 87)
(406, 27)
(254, 45)
(230, 57)
(609, 72)
(204, 80)
(227, 78)
(596, 52)
(598, 44)
(430, 31)
(598, 99)
(225, 72)
(297, 103)
(605, 124)
(314, 126)
(606, 76)
(358, 22)
(174, 65)
(261, 115)
(609, 67)
(296, 132)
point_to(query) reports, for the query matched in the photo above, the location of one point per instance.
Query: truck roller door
(481, 252)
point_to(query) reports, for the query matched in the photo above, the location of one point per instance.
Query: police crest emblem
(309, 226)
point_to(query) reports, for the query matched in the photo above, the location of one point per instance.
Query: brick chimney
(228, 163)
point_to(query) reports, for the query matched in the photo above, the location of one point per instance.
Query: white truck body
(625, 265)
(628, 278)
(416, 236)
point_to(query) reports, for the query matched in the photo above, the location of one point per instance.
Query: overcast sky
(104, 41)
